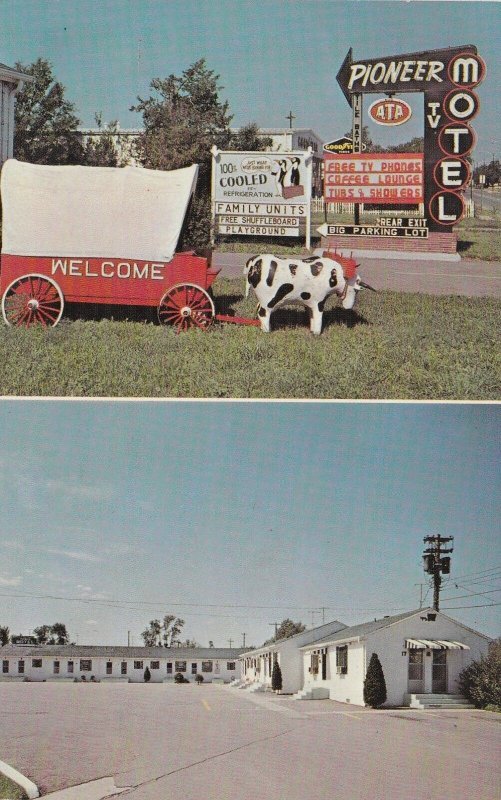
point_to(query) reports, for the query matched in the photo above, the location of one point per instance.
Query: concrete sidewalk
(466, 277)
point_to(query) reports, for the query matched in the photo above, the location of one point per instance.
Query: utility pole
(243, 643)
(420, 593)
(276, 627)
(230, 641)
(436, 562)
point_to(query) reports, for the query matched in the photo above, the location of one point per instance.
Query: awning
(434, 644)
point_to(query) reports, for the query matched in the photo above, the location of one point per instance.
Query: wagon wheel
(186, 305)
(32, 299)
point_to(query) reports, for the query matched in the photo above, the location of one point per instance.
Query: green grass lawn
(395, 346)
(10, 790)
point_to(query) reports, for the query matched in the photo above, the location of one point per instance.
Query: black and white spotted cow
(309, 281)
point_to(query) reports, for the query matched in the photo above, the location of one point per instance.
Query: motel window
(123, 668)
(5, 666)
(155, 664)
(20, 667)
(230, 665)
(314, 664)
(109, 667)
(342, 660)
(180, 666)
(85, 665)
(415, 665)
(169, 667)
(138, 664)
(56, 667)
(71, 666)
(194, 669)
(206, 666)
(36, 663)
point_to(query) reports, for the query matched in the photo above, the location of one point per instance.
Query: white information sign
(261, 194)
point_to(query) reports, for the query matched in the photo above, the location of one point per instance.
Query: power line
(454, 608)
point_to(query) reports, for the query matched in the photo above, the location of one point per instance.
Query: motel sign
(447, 78)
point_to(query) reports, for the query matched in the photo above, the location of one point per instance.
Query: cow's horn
(366, 286)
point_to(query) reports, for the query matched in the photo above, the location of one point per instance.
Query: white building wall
(98, 668)
(7, 100)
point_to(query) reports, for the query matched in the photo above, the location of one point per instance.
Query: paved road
(215, 742)
(466, 277)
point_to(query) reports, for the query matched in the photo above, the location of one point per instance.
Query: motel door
(415, 677)
(324, 666)
(439, 672)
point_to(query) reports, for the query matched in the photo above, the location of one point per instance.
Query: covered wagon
(99, 235)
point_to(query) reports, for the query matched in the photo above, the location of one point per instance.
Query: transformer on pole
(436, 563)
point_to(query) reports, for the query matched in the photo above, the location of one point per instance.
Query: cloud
(77, 555)
(15, 581)
(76, 489)
(13, 545)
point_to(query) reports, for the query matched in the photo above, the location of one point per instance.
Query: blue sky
(272, 55)
(114, 513)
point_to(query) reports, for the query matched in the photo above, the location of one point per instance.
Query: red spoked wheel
(32, 300)
(185, 306)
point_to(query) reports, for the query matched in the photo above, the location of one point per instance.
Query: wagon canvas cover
(112, 212)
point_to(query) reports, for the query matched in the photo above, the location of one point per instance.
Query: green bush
(179, 678)
(147, 675)
(276, 677)
(480, 682)
(374, 684)
(199, 678)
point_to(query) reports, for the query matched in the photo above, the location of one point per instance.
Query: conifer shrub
(374, 684)
(147, 675)
(199, 678)
(179, 678)
(276, 677)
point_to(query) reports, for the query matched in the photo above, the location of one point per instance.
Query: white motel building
(107, 663)
(422, 653)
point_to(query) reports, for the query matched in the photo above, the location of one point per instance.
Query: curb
(28, 786)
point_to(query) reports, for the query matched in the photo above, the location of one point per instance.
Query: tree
(480, 682)
(52, 634)
(159, 634)
(59, 634)
(182, 120)
(4, 635)
(415, 145)
(45, 123)
(286, 629)
(370, 146)
(42, 634)
(247, 139)
(147, 675)
(276, 677)
(374, 684)
(101, 151)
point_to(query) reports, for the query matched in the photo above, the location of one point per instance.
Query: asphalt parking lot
(214, 742)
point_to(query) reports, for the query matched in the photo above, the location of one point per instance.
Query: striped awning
(434, 644)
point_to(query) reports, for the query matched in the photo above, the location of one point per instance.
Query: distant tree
(190, 643)
(159, 634)
(374, 683)
(415, 145)
(101, 150)
(45, 123)
(4, 635)
(247, 139)
(59, 634)
(370, 146)
(147, 675)
(286, 629)
(480, 682)
(276, 677)
(42, 634)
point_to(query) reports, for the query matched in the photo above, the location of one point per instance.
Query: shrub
(147, 675)
(276, 677)
(199, 678)
(480, 682)
(179, 678)
(374, 684)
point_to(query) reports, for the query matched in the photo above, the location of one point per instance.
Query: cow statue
(309, 281)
